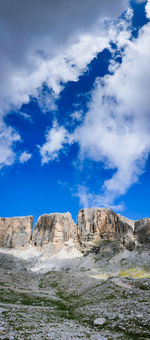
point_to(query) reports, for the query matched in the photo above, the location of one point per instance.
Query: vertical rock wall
(54, 228)
(15, 232)
(142, 230)
(96, 224)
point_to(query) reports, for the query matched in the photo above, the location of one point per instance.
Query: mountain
(61, 280)
(94, 225)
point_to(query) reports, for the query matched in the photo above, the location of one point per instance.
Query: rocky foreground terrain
(62, 280)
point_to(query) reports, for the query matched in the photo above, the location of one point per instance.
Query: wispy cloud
(89, 199)
(25, 115)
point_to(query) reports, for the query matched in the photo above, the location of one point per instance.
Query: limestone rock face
(142, 230)
(15, 232)
(98, 230)
(126, 220)
(97, 224)
(53, 229)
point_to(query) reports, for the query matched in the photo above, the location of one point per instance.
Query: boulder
(54, 229)
(15, 232)
(97, 224)
(99, 321)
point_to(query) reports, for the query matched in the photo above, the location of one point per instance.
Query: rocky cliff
(15, 231)
(54, 229)
(142, 231)
(97, 230)
(97, 224)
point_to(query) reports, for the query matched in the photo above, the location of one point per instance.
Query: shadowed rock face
(54, 228)
(142, 230)
(15, 232)
(97, 224)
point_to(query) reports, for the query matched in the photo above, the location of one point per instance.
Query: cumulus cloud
(116, 130)
(48, 41)
(24, 157)
(116, 127)
(69, 64)
(56, 139)
(37, 47)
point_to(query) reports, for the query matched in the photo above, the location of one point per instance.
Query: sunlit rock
(15, 231)
(97, 224)
(54, 229)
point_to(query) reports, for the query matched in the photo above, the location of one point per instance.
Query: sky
(74, 106)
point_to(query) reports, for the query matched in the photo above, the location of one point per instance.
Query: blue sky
(74, 117)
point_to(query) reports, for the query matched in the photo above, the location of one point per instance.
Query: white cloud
(49, 42)
(37, 46)
(59, 68)
(25, 156)
(47, 100)
(44, 50)
(77, 116)
(24, 115)
(68, 66)
(56, 138)
(8, 138)
(88, 199)
(116, 130)
(147, 9)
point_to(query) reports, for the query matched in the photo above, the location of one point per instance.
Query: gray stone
(99, 321)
